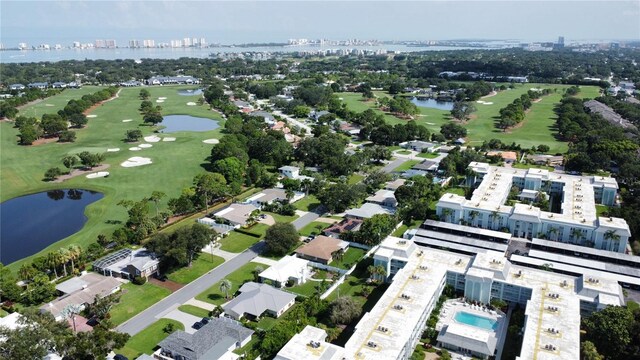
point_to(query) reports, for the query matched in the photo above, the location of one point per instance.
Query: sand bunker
(484, 102)
(211, 141)
(152, 138)
(145, 146)
(92, 116)
(488, 103)
(169, 139)
(162, 98)
(428, 123)
(191, 103)
(98, 174)
(136, 161)
(113, 150)
(49, 105)
(135, 148)
(127, 120)
(159, 101)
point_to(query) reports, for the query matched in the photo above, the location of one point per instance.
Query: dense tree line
(514, 113)
(9, 107)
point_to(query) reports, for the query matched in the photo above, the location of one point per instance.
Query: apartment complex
(573, 217)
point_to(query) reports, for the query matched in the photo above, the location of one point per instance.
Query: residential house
(543, 159)
(16, 87)
(419, 146)
(395, 184)
(348, 128)
(316, 115)
(288, 269)
(367, 210)
(256, 299)
(58, 85)
(243, 106)
(268, 196)
(290, 172)
(236, 214)
(130, 83)
(322, 249)
(459, 141)
(267, 116)
(128, 264)
(80, 292)
(427, 165)
(214, 341)
(344, 225)
(38, 85)
(219, 228)
(413, 172)
(383, 197)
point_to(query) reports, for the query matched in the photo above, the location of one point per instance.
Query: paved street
(171, 302)
(392, 165)
(308, 218)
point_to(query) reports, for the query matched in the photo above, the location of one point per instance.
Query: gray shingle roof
(256, 298)
(219, 333)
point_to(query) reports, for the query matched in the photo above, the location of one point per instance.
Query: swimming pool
(475, 320)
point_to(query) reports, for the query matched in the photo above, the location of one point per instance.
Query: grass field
(314, 227)
(407, 165)
(199, 267)
(194, 310)
(213, 295)
(352, 256)
(135, 299)
(146, 341)
(237, 242)
(537, 128)
(23, 166)
(307, 203)
(58, 102)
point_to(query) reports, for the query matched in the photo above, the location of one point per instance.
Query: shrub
(52, 173)
(139, 280)
(67, 136)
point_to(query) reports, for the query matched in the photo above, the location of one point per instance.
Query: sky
(235, 22)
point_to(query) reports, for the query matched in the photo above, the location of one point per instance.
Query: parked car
(197, 325)
(205, 320)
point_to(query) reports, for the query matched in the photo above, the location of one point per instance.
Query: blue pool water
(475, 320)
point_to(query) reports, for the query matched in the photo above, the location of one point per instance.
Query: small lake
(190, 92)
(30, 223)
(432, 103)
(175, 123)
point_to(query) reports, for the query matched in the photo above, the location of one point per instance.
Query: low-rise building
(384, 198)
(128, 264)
(80, 292)
(236, 214)
(310, 344)
(508, 157)
(344, 225)
(419, 146)
(288, 269)
(268, 196)
(214, 341)
(367, 210)
(256, 299)
(322, 249)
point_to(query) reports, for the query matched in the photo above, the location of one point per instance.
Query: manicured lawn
(307, 203)
(531, 166)
(428, 155)
(404, 227)
(199, 267)
(314, 227)
(407, 165)
(354, 179)
(306, 289)
(135, 299)
(213, 295)
(267, 322)
(282, 218)
(53, 104)
(194, 310)
(259, 228)
(455, 190)
(349, 259)
(403, 152)
(147, 340)
(601, 209)
(237, 242)
(23, 166)
(3, 313)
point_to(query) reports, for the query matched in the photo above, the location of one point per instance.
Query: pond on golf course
(30, 223)
(190, 92)
(175, 123)
(432, 103)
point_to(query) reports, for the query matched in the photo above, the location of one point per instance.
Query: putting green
(173, 168)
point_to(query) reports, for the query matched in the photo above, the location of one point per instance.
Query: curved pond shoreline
(32, 222)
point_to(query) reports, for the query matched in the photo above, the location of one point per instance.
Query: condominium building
(553, 303)
(571, 218)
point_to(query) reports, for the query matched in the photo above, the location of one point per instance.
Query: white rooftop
(310, 344)
(287, 267)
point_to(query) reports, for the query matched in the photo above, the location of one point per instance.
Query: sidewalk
(216, 251)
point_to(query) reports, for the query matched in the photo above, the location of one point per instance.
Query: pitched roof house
(321, 249)
(256, 299)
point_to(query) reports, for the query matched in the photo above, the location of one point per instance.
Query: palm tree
(64, 259)
(338, 255)
(289, 194)
(446, 213)
(27, 272)
(256, 272)
(576, 234)
(75, 252)
(473, 215)
(52, 261)
(554, 231)
(372, 270)
(225, 286)
(156, 196)
(494, 215)
(613, 236)
(381, 271)
(70, 311)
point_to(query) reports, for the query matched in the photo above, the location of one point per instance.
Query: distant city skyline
(36, 22)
